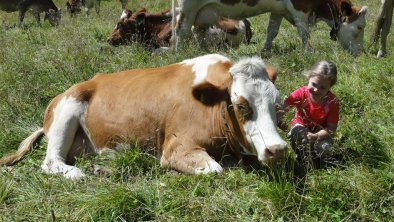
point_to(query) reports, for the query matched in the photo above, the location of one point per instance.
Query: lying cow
(194, 113)
(154, 30)
(347, 22)
(52, 13)
(382, 26)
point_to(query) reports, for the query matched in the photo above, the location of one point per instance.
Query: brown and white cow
(382, 26)
(194, 113)
(347, 22)
(52, 13)
(154, 30)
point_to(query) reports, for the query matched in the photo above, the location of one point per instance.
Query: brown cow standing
(194, 113)
(154, 30)
(382, 26)
(52, 13)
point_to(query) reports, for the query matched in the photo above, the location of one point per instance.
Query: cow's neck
(330, 13)
(235, 134)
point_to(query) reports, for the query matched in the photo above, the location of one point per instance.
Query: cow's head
(73, 6)
(130, 27)
(53, 16)
(254, 96)
(351, 29)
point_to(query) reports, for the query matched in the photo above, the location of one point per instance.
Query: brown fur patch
(243, 110)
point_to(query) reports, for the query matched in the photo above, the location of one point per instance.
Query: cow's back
(9, 6)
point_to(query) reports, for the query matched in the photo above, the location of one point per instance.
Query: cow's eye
(245, 112)
(119, 26)
(359, 28)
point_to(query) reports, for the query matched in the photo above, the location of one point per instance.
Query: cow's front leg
(179, 155)
(182, 29)
(384, 33)
(37, 17)
(22, 12)
(303, 31)
(272, 30)
(193, 161)
(97, 6)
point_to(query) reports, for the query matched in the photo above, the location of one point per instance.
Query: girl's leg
(297, 136)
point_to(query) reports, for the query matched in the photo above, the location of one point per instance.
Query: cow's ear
(207, 93)
(140, 19)
(272, 73)
(128, 13)
(346, 8)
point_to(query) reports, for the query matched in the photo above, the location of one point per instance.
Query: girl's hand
(312, 136)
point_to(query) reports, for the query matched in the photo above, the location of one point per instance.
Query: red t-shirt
(311, 115)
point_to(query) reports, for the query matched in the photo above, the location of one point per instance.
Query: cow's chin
(115, 42)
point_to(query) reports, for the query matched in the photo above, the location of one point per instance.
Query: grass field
(37, 63)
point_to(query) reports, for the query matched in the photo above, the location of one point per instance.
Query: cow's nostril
(276, 153)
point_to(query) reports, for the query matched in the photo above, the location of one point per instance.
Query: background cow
(382, 26)
(74, 6)
(52, 13)
(347, 22)
(154, 30)
(194, 113)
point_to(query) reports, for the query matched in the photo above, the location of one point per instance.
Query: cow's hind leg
(97, 6)
(61, 136)
(272, 30)
(385, 29)
(187, 159)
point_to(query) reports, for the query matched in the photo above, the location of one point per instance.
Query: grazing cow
(154, 30)
(194, 113)
(52, 13)
(347, 22)
(74, 6)
(382, 26)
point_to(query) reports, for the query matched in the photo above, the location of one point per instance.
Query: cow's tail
(25, 146)
(248, 31)
(173, 28)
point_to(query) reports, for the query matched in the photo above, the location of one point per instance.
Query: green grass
(37, 63)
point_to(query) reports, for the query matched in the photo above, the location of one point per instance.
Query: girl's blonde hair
(324, 69)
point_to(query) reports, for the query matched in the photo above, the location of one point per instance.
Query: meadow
(37, 63)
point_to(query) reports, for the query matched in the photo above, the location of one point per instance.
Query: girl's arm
(281, 110)
(327, 132)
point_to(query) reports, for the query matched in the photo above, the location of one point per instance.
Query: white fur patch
(201, 65)
(67, 117)
(212, 167)
(123, 15)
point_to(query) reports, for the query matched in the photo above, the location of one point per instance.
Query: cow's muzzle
(276, 153)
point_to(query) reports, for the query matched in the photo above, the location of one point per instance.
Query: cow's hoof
(211, 167)
(266, 53)
(73, 173)
(381, 54)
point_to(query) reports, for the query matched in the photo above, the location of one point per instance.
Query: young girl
(317, 114)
